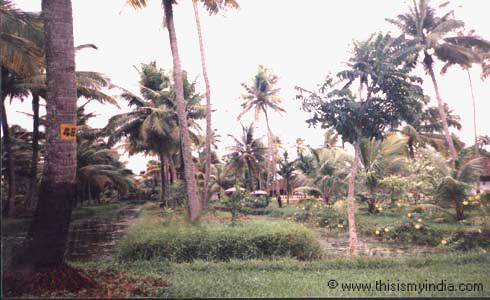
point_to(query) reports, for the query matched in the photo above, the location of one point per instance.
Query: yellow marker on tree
(68, 131)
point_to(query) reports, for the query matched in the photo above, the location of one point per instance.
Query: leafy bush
(316, 212)
(412, 230)
(248, 240)
(261, 201)
(469, 240)
(233, 202)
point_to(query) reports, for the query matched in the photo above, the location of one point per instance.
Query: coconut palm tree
(457, 181)
(213, 7)
(246, 154)
(48, 233)
(152, 127)
(98, 166)
(191, 184)
(261, 96)
(325, 171)
(427, 130)
(22, 55)
(286, 171)
(476, 49)
(380, 159)
(430, 35)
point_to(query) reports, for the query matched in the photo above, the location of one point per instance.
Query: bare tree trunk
(351, 209)
(477, 153)
(209, 129)
(9, 207)
(442, 113)
(35, 152)
(269, 165)
(163, 180)
(173, 171)
(287, 191)
(46, 242)
(194, 204)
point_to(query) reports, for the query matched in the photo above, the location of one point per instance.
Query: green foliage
(261, 201)
(469, 240)
(258, 239)
(317, 213)
(380, 65)
(233, 202)
(177, 193)
(395, 186)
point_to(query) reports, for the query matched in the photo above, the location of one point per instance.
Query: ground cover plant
(183, 242)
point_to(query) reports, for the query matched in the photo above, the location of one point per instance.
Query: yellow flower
(419, 220)
(465, 202)
(479, 230)
(380, 209)
(417, 226)
(377, 232)
(470, 198)
(477, 197)
(443, 242)
(387, 229)
(409, 215)
(340, 225)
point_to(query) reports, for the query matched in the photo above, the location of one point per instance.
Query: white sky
(301, 43)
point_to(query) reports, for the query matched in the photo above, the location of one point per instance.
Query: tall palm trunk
(351, 209)
(48, 234)
(173, 171)
(209, 129)
(474, 112)
(9, 206)
(163, 179)
(270, 150)
(35, 152)
(442, 113)
(194, 205)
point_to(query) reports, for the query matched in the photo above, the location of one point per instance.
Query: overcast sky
(300, 41)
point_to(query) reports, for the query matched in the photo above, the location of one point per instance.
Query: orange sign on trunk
(68, 131)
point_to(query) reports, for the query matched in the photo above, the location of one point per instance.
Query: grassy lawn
(292, 278)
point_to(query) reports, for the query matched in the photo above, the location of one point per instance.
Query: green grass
(292, 278)
(215, 241)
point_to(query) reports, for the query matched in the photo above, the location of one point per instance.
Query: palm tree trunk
(48, 234)
(442, 113)
(9, 206)
(351, 209)
(474, 112)
(287, 191)
(173, 171)
(209, 129)
(459, 209)
(194, 205)
(269, 151)
(163, 179)
(35, 152)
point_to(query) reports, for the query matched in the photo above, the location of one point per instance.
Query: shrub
(261, 201)
(469, 240)
(412, 230)
(316, 212)
(248, 240)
